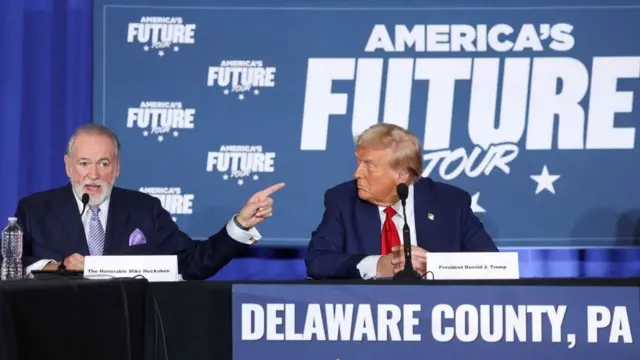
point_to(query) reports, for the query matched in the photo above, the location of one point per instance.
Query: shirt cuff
(38, 265)
(246, 237)
(368, 267)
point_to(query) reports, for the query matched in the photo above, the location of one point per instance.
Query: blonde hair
(404, 145)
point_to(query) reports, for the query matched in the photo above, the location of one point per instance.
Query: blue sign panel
(320, 322)
(531, 108)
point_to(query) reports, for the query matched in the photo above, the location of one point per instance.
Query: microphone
(85, 201)
(408, 273)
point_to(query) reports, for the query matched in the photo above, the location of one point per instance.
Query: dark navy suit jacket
(53, 230)
(351, 228)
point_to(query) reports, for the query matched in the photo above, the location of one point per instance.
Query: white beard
(94, 200)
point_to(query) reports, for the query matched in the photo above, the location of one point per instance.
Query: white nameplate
(152, 268)
(473, 266)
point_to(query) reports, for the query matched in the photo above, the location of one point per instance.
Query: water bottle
(11, 251)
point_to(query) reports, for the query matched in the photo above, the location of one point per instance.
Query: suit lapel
(425, 213)
(116, 223)
(368, 226)
(74, 235)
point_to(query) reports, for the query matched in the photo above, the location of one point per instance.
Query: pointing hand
(258, 208)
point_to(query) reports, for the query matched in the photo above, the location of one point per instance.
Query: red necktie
(390, 237)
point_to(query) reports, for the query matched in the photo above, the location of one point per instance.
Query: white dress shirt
(245, 237)
(368, 266)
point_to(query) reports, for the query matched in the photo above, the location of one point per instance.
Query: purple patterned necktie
(96, 233)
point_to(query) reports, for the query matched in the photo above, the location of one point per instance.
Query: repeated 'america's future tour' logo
(161, 35)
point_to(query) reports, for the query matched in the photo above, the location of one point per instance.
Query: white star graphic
(174, 219)
(475, 207)
(175, 134)
(545, 181)
(160, 138)
(226, 91)
(161, 53)
(145, 133)
(146, 48)
(241, 96)
(225, 177)
(176, 48)
(256, 92)
(240, 182)
(255, 177)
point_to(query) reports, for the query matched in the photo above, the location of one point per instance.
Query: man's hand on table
(418, 259)
(72, 262)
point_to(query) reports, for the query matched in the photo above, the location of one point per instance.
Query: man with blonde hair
(359, 235)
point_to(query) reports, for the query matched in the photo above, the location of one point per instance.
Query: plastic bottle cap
(13, 219)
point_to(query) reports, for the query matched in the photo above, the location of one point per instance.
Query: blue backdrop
(46, 91)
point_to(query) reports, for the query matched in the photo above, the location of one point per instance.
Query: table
(197, 316)
(76, 319)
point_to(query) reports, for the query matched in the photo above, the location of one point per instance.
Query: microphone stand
(85, 201)
(61, 267)
(408, 273)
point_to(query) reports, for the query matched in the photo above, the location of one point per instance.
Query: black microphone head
(85, 199)
(403, 191)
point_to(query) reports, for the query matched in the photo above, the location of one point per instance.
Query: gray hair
(404, 146)
(94, 129)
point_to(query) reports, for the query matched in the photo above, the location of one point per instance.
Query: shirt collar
(103, 207)
(398, 205)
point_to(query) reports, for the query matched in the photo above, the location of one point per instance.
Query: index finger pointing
(273, 188)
